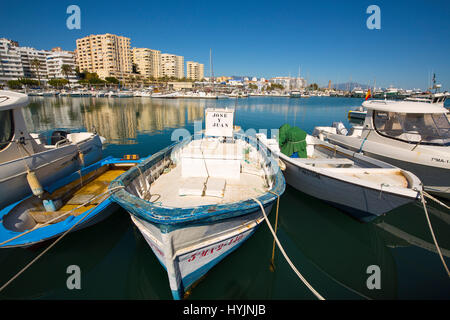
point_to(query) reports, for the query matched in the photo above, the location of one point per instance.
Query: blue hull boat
(79, 199)
(194, 202)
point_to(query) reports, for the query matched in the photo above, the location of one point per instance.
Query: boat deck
(165, 191)
(94, 188)
(90, 190)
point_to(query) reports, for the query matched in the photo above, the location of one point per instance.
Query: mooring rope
(272, 262)
(435, 200)
(285, 255)
(56, 241)
(422, 194)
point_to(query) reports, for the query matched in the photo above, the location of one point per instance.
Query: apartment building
(290, 83)
(147, 62)
(30, 70)
(107, 54)
(172, 65)
(10, 63)
(194, 70)
(56, 60)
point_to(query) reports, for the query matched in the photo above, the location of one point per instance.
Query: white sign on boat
(219, 122)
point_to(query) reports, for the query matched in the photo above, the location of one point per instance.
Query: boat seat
(192, 186)
(215, 187)
(44, 216)
(82, 198)
(321, 161)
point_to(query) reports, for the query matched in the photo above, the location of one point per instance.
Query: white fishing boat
(414, 136)
(194, 202)
(27, 162)
(171, 95)
(361, 186)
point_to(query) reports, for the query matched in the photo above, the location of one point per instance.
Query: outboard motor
(58, 135)
(340, 128)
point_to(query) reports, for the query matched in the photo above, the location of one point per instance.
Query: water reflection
(118, 120)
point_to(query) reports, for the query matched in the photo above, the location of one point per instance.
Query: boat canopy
(11, 100)
(403, 106)
(433, 129)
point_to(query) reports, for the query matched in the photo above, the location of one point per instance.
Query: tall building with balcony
(147, 62)
(31, 70)
(290, 83)
(194, 70)
(172, 65)
(56, 59)
(107, 54)
(10, 63)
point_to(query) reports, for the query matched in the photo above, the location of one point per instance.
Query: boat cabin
(411, 122)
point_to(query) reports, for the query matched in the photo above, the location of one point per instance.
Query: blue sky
(329, 40)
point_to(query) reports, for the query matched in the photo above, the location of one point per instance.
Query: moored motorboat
(361, 186)
(358, 113)
(414, 136)
(78, 200)
(194, 202)
(28, 161)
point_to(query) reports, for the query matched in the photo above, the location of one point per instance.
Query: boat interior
(342, 162)
(206, 171)
(34, 211)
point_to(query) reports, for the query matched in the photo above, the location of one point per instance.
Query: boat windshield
(6, 128)
(423, 128)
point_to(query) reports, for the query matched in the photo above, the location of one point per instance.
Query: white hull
(435, 176)
(188, 253)
(361, 201)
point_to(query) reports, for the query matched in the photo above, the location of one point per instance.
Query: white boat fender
(34, 184)
(340, 128)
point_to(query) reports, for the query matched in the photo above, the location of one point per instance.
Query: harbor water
(334, 252)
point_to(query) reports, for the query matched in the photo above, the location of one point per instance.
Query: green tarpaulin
(291, 140)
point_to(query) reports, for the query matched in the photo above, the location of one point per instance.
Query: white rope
(435, 200)
(432, 232)
(285, 255)
(54, 243)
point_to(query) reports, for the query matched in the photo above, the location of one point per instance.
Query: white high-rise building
(10, 62)
(172, 65)
(289, 83)
(27, 56)
(56, 60)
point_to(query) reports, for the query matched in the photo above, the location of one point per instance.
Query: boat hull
(364, 204)
(49, 166)
(189, 252)
(434, 178)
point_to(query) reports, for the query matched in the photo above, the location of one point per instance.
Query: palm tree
(66, 70)
(36, 64)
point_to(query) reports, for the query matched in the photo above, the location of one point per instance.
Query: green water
(329, 248)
